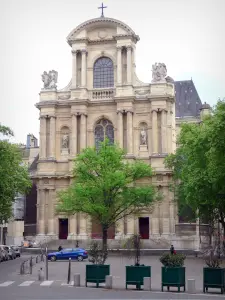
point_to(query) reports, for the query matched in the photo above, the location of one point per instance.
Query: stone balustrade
(97, 94)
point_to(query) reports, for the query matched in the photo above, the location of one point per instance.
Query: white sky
(187, 35)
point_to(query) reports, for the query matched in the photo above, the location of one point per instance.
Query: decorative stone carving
(65, 141)
(50, 79)
(143, 136)
(159, 72)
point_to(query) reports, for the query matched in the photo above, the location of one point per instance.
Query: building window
(103, 129)
(103, 73)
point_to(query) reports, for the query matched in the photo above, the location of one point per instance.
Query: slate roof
(188, 103)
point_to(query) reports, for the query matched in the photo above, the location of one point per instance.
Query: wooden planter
(214, 278)
(135, 275)
(96, 273)
(173, 276)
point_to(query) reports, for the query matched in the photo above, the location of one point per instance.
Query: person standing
(172, 250)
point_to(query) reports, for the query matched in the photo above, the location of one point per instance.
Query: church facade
(106, 99)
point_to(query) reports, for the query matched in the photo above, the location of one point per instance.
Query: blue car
(73, 253)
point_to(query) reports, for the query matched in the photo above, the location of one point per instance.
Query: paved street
(17, 287)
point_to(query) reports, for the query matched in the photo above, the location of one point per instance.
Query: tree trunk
(104, 244)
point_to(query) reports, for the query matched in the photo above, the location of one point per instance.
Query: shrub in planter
(97, 271)
(135, 274)
(213, 274)
(173, 270)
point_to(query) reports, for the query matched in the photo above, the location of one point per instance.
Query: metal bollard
(41, 275)
(22, 269)
(69, 272)
(31, 264)
(46, 267)
(76, 280)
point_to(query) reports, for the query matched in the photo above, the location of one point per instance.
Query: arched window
(103, 73)
(103, 129)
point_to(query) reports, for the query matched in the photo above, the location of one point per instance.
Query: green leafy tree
(106, 188)
(14, 177)
(199, 166)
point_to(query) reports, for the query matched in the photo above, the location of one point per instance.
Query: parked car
(11, 252)
(29, 244)
(4, 252)
(73, 253)
(16, 250)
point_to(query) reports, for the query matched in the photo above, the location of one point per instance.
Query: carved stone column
(83, 131)
(74, 68)
(74, 136)
(43, 137)
(154, 132)
(83, 67)
(119, 229)
(130, 132)
(52, 136)
(72, 227)
(83, 227)
(130, 226)
(51, 213)
(155, 220)
(119, 66)
(120, 128)
(129, 65)
(163, 131)
(41, 215)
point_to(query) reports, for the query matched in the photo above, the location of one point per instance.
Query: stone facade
(142, 116)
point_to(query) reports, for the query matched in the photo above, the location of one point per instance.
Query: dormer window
(103, 76)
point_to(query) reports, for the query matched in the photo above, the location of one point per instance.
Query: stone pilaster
(130, 225)
(129, 65)
(155, 143)
(74, 69)
(119, 66)
(163, 131)
(51, 212)
(83, 131)
(41, 215)
(130, 132)
(83, 227)
(72, 227)
(43, 140)
(155, 220)
(83, 67)
(119, 229)
(52, 136)
(74, 136)
(120, 128)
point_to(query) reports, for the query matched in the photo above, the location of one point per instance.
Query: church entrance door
(63, 229)
(144, 227)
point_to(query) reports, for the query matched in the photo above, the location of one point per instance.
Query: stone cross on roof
(102, 8)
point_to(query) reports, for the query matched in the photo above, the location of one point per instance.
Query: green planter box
(173, 277)
(135, 275)
(214, 278)
(96, 273)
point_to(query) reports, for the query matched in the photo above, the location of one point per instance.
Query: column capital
(83, 51)
(129, 111)
(129, 47)
(43, 117)
(119, 48)
(52, 117)
(164, 110)
(74, 52)
(154, 110)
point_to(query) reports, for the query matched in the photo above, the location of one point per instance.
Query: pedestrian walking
(172, 250)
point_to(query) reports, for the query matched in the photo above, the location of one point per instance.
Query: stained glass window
(103, 73)
(104, 129)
